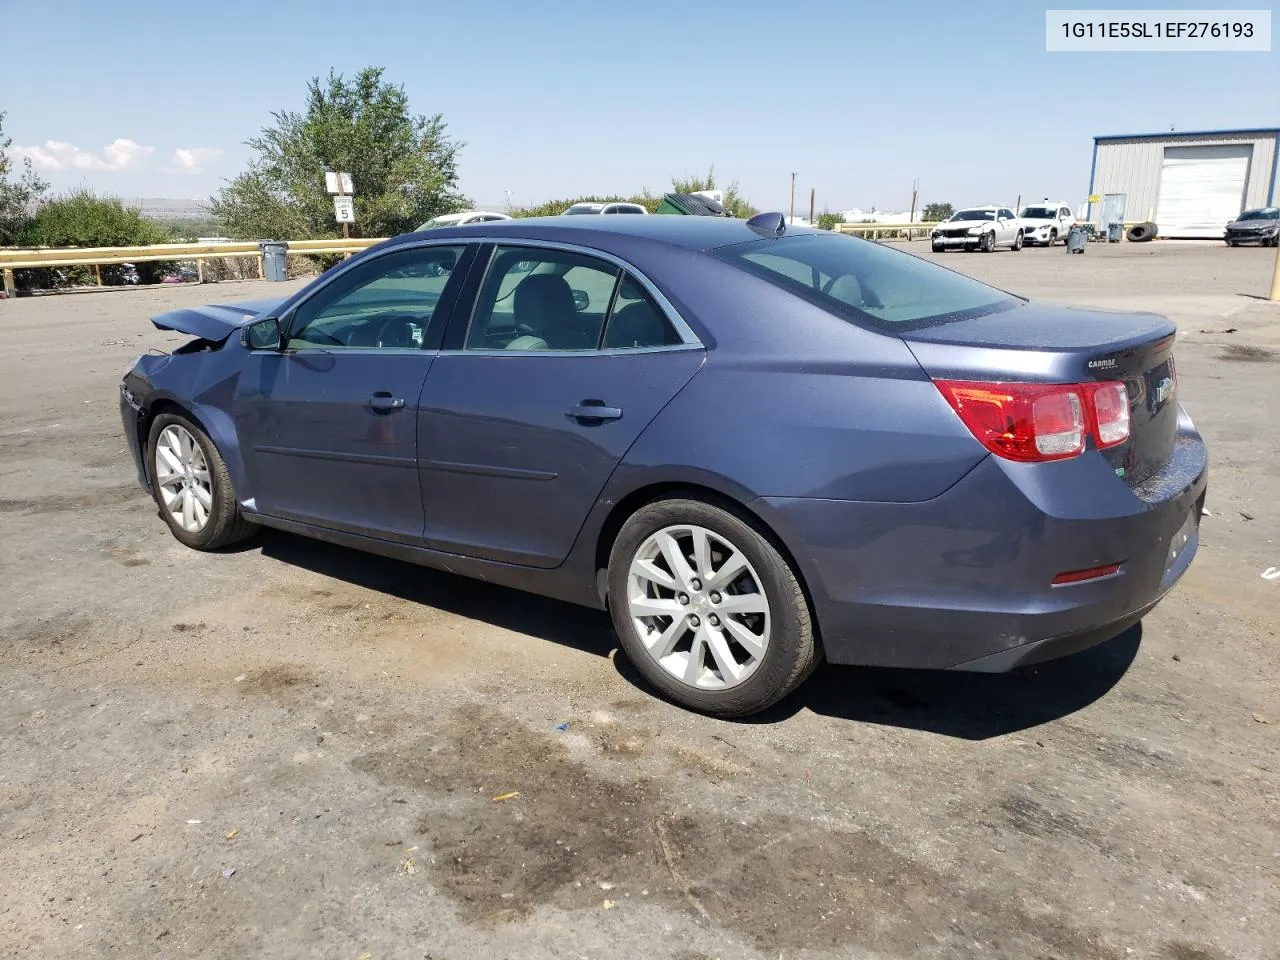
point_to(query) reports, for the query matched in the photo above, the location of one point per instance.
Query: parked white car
(979, 228)
(1046, 222)
(462, 219)
(594, 208)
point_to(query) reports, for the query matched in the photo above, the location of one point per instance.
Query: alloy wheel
(182, 475)
(698, 606)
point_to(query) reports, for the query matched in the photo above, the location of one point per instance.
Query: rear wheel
(708, 610)
(192, 487)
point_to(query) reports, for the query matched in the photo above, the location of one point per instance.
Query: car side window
(1064, 212)
(383, 304)
(636, 321)
(533, 298)
(1007, 214)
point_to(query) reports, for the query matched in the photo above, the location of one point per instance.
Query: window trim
(464, 315)
(445, 308)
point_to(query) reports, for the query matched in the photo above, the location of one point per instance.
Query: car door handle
(594, 410)
(383, 402)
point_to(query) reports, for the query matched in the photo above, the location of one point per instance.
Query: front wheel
(988, 244)
(1017, 241)
(192, 487)
(939, 248)
(708, 610)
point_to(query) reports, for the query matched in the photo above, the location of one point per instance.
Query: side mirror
(262, 334)
(581, 300)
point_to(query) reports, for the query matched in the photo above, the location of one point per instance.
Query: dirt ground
(295, 750)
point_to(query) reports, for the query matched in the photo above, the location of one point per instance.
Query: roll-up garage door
(1201, 189)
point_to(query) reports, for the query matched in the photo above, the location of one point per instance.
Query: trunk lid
(1041, 343)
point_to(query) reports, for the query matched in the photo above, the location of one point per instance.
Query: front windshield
(436, 222)
(867, 282)
(1266, 213)
(975, 215)
(1039, 213)
(584, 208)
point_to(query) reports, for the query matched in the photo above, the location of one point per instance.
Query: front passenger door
(328, 420)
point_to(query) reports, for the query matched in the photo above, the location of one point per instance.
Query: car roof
(608, 233)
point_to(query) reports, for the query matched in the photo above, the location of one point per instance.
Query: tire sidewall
(217, 513)
(776, 578)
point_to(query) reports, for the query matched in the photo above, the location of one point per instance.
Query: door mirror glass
(263, 334)
(581, 300)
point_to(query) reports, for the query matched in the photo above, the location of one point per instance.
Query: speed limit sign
(344, 209)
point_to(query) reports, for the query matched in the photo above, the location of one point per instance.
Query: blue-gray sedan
(755, 446)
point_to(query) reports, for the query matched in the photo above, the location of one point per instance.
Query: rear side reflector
(1035, 422)
(1080, 576)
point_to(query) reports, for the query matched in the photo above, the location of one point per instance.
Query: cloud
(194, 159)
(119, 154)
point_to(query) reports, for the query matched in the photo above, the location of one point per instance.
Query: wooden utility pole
(793, 195)
(813, 195)
(915, 191)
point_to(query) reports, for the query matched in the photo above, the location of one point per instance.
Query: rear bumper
(964, 581)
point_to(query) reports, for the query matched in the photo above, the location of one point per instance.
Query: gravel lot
(334, 727)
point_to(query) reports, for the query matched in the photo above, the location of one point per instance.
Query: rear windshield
(884, 288)
(585, 208)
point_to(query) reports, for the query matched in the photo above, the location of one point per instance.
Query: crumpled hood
(216, 321)
(1253, 225)
(963, 224)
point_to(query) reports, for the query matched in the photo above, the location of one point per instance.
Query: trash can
(1115, 232)
(275, 259)
(1076, 239)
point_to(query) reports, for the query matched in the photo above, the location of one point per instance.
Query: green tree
(82, 218)
(935, 212)
(403, 166)
(734, 202)
(828, 220)
(19, 196)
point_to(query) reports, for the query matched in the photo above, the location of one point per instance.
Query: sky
(562, 98)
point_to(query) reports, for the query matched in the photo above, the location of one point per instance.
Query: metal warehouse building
(1190, 184)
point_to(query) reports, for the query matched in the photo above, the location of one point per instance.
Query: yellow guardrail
(28, 258)
(875, 229)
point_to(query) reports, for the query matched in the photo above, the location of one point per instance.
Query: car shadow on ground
(970, 706)
(564, 623)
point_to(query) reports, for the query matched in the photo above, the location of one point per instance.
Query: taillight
(1034, 422)
(1110, 402)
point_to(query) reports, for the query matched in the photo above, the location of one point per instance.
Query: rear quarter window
(867, 282)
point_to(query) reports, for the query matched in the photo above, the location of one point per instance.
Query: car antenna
(768, 224)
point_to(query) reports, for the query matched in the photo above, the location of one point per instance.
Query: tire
(988, 244)
(1232, 243)
(1141, 232)
(1053, 238)
(1017, 242)
(224, 524)
(939, 249)
(790, 647)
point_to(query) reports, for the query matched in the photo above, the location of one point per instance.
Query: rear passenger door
(566, 357)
